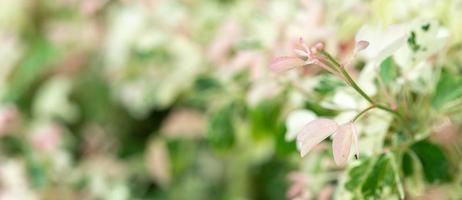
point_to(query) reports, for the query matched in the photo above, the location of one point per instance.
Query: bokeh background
(160, 99)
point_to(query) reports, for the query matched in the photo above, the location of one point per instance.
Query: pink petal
(314, 132)
(317, 47)
(281, 64)
(301, 53)
(362, 44)
(341, 144)
(302, 43)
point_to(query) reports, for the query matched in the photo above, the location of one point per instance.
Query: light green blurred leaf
(388, 71)
(221, 128)
(264, 118)
(449, 88)
(34, 65)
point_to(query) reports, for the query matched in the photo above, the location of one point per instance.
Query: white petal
(314, 132)
(295, 122)
(341, 144)
(382, 42)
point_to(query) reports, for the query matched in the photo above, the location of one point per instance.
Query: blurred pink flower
(447, 134)
(47, 138)
(9, 119)
(298, 188)
(224, 40)
(184, 123)
(91, 7)
(247, 59)
(157, 162)
(326, 193)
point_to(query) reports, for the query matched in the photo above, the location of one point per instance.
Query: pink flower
(298, 188)
(305, 56)
(47, 138)
(9, 119)
(341, 144)
(228, 35)
(317, 130)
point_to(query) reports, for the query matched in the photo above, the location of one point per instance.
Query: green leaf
(37, 175)
(407, 165)
(39, 59)
(264, 118)
(283, 147)
(269, 179)
(412, 42)
(357, 175)
(204, 83)
(388, 71)
(368, 179)
(221, 128)
(449, 88)
(375, 181)
(318, 109)
(328, 84)
(426, 27)
(434, 162)
(414, 177)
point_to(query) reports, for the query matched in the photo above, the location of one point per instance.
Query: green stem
(348, 77)
(362, 112)
(357, 88)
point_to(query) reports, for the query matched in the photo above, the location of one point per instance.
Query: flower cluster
(314, 132)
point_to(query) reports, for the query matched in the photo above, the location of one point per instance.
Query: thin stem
(362, 112)
(348, 77)
(357, 88)
(382, 107)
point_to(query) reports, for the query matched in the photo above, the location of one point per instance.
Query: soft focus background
(160, 99)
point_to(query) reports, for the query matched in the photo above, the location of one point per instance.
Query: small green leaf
(374, 183)
(412, 42)
(36, 62)
(221, 128)
(434, 162)
(407, 165)
(283, 147)
(426, 27)
(388, 71)
(328, 84)
(264, 118)
(357, 175)
(318, 109)
(37, 174)
(449, 88)
(204, 83)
